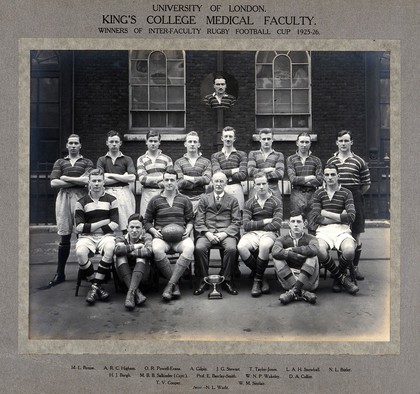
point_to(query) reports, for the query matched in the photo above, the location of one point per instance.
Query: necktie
(218, 204)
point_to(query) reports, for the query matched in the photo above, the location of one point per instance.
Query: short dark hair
(260, 174)
(265, 131)
(297, 212)
(170, 170)
(113, 133)
(152, 133)
(96, 172)
(218, 76)
(229, 128)
(331, 166)
(135, 216)
(344, 132)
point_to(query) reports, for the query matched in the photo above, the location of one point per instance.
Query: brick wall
(101, 101)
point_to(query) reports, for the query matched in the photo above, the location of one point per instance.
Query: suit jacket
(227, 218)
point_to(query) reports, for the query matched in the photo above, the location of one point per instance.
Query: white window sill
(285, 137)
(164, 137)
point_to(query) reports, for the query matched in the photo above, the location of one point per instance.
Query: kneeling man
(96, 219)
(296, 262)
(133, 252)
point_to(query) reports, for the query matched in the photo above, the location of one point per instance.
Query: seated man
(262, 222)
(217, 222)
(333, 211)
(132, 254)
(170, 207)
(96, 219)
(297, 251)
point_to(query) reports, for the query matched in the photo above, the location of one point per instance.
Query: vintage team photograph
(209, 196)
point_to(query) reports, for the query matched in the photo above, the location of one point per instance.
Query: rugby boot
(92, 295)
(265, 288)
(139, 297)
(101, 294)
(348, 285)
(256, 288)
(289, 296)
(168, 292)
(176, 292)
(308, 297)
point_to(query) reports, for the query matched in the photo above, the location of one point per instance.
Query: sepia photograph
(232, 201)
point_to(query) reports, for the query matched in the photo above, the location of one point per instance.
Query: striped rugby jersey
(254, 215)
(256, 162)
(88, 211)
(237, 158)
(341, 200)
(353, 171)
(63, 167)
(297, 170)
(147, 166)
(201, 172)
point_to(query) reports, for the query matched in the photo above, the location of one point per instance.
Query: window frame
(284, 133)
(142, 131)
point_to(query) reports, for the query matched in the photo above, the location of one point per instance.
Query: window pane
(298, 57)
(282, 72)
(176, 73)
(175, 97)
(300, 76)
(282, 122)
(157, 69)
(49, 115)
(34, 115)
(264, 76)
(44, 57)
(175, 119)
(48, 89)
(264, 101)
(139, 71)
(157, 119)
(300, 101)
(157, 97)
(384, 90)
(300, 121)
(282, 101)
(140, 55)
(265, 56)
(264, 122)
(139, 119)
(174, 54)
(34, 90)
(139, 97)
(385, 116)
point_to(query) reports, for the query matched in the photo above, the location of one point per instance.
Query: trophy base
(215, 295)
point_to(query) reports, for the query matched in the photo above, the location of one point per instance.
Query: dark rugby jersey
(341, 200)
(201, 172)
(297, 170)
(123, 164)
(63, 167)
(254, 215)
(256, 163)
(227, 101)
(236, 159)
(159, 213)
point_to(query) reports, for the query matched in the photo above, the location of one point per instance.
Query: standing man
(219, 98)
(296, 262)
(269, 161)
(119, 171)
(333, 211)
(355, 176)
(70, 175)
(96, 219)
(232, 163)
(170, 207)
(194, 171)
(217, 222)
(150, 169)
(133, 252)
(305, 175)
(262, 218)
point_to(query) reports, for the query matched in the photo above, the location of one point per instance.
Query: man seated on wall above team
(296, 262)
(262, 218)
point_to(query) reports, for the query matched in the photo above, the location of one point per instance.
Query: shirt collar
(220, 195)
(336, 154)
(158, 151)
(297, 239)
(68, 157)
(224, 152)
(298, 153)
(186, 155)
(120, 154)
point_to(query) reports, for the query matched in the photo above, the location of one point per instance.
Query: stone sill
(285, 137)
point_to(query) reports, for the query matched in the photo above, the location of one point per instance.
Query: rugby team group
(196, 204)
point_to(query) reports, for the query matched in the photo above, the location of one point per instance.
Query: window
(283, 90)
(157, 90)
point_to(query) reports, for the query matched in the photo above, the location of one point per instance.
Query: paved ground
(57, 314)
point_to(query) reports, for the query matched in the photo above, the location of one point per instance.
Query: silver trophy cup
(214, 280)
